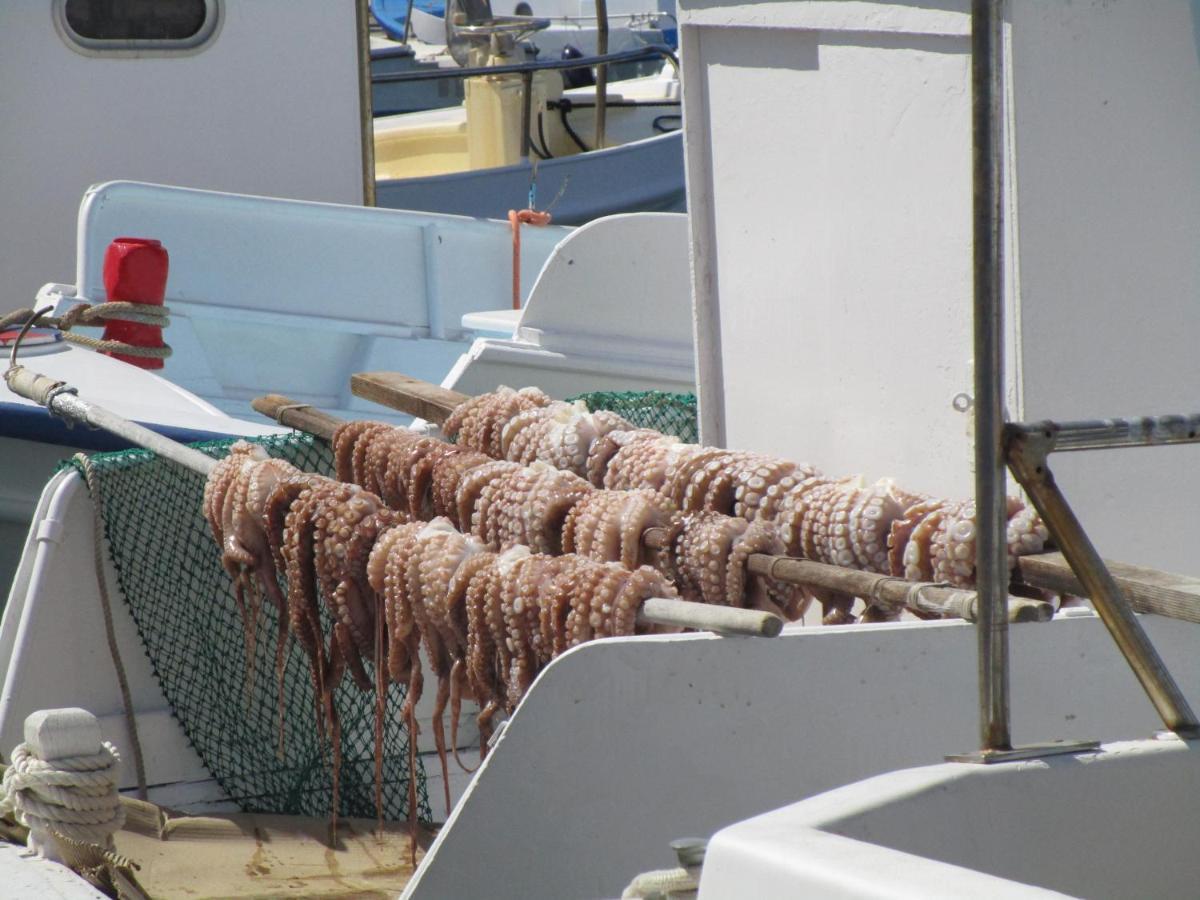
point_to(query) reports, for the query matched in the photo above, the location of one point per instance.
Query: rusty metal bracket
(1027, 447)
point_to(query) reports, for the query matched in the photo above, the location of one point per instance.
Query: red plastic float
(135, 270)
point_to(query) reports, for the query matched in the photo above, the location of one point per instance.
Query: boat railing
(637, 54)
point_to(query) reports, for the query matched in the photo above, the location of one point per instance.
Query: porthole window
(137, 25)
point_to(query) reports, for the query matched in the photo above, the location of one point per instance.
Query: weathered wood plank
(302, 417)
(411, 395)
(1146, 590)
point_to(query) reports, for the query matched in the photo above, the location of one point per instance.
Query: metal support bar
(1109, 434)
(1026, 453)
(526, 112)
(650, 51)
(55, 397)
(991, 561)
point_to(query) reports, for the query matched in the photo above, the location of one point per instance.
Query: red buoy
(135, 270)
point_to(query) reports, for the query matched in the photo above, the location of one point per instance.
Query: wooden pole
(410, 395)
(702, 617)
(601, 74)
(300, 416)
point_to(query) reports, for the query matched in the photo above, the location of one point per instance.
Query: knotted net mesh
(169, 572)
(669, 413)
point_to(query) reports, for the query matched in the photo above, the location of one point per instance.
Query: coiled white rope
(678, 883)
(74, 797)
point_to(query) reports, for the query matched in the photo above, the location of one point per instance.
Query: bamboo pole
(884, 590)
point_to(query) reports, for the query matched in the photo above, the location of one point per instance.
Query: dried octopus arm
(760, 486)
(343, 440)
(482, 668)
(448, 470)
(721, 490)
(472, 483)
(398, 615)
(643, 584)
(918, 560)
(552, 495)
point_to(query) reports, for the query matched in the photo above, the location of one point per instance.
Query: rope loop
(95, 315)
(75, 797)
(517, 218)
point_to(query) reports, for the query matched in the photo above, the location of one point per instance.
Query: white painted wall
(828, 158)
(1107, 99)
(269, 106)
(829, 183)
(623, 745)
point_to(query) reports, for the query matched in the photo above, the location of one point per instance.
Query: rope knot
(96, 315)
(73, 797)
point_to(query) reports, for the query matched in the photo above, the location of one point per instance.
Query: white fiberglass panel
(839, 173)
(269, 105)
(1107, 99)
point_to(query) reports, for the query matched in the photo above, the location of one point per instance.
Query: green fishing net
(169, 571)
(669, 413)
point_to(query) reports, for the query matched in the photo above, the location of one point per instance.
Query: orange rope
(515, 219)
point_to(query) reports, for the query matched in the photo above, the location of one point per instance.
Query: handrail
(1110, 434)
(650, 51)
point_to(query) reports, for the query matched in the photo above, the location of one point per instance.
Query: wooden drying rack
(1168, 595)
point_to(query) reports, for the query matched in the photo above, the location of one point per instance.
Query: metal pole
(366, 114)
(63, 402)
(601, 73)
(1110, 434)
(526, 112)
(991, 550)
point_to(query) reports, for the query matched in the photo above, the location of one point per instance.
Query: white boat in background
(213, 111)
(471, 160)
(568, 23)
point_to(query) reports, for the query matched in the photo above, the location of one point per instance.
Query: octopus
(479, 422)
(603, 449)
(560, 434)
(505, 504)
(609, 526)
(712, 554)
(936, 540)
(236, 501)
